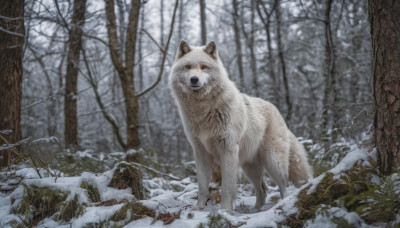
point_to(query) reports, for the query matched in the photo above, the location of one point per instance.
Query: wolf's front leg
(204, 165)
(229, 167)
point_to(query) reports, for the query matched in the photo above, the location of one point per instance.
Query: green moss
(14, 223)
(215, 222)
(70, 210)
(190, 215)
(127, 175)
(93, 192)
(325, 193)
(330, 158)
(132, 211)
(101, 224)
(378, 203)
(39, 203)
(375, 203)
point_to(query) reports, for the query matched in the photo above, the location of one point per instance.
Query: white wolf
(230, 129)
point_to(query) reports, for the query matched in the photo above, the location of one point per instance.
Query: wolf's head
(196, 68)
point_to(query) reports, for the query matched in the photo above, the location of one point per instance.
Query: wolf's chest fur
(210, 122)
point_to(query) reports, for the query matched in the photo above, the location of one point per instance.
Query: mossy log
(127, 175)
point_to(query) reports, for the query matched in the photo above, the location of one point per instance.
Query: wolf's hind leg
(277, 165)
(255, 172)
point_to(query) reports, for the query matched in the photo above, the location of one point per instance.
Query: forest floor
(352, 194)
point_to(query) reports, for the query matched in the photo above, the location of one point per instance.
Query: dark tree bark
(203, 22)
(121, 29)
(282, 61)
(236, 30)
(329, 62)
(71, 82)
(125, 67)
(11, 54)
(384, 17)
(140, 49)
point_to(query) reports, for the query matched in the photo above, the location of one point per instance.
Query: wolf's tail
(299, 168)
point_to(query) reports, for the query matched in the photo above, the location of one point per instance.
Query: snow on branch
(9, 146)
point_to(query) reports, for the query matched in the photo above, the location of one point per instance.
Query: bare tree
(384, 17)
(11, 54)
(250, 37)
(203, 22)
(282, 61)
(181, 18)
(140, 48)
(329, 60)
(236, 30)
(125, 67)
(162, 23)
(71, 79)
(266, 20)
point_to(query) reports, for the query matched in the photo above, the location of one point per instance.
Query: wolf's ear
(211, 49)
(184, 48)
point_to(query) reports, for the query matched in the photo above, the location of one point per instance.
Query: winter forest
(90, 135)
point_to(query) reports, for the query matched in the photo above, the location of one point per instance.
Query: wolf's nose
(194, 79)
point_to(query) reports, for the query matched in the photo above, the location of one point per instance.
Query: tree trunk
(71, 80)
(125, 69)
(250, 44)
(162, 23)
(11, 54)
(238, 44)
(328, 70)
(283, 62)
(180, 23)
(384, 20)
(140, 49)
(203, 22)
(122, 25)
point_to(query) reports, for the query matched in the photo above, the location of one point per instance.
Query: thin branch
(59, 13)
(156, 171)
(11, 33)
(152, 39)
(100, 102)
(96, 38)
(50, 97)
(164, 53)
(41, 101)
(11, 18)
(8, 146)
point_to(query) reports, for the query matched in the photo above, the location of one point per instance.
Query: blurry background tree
(12, 36)
(203, 22)
(311, 59)
(384, 18)
(71, 78)
(125, 66)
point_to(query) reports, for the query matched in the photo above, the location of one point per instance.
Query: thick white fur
(231, 129)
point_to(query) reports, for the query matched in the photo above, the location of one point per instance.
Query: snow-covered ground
(171, 196)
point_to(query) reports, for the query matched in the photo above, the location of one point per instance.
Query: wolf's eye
(204, 67)
(187, 66)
